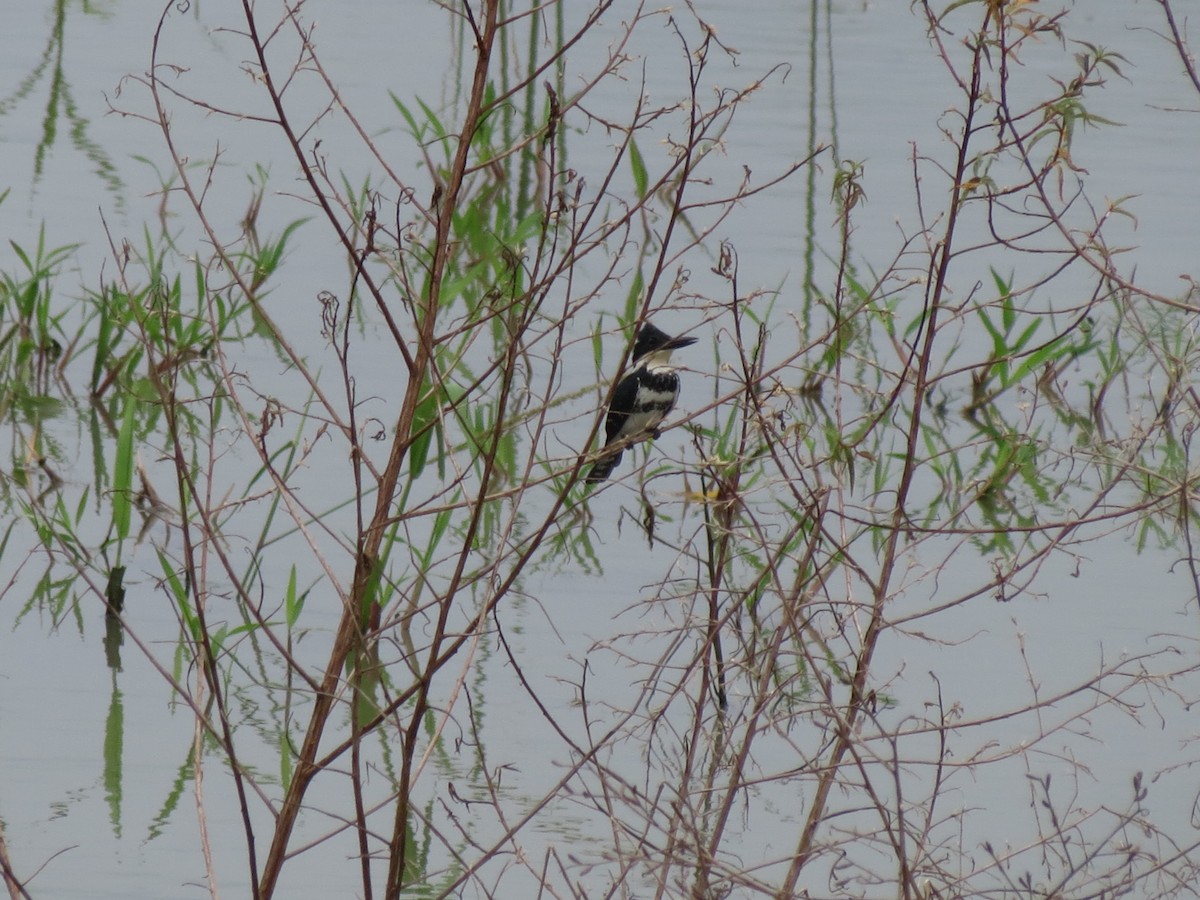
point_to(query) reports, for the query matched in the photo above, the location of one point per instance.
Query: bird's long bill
(677, 342)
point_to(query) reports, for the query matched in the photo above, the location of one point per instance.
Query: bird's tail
(603, 467)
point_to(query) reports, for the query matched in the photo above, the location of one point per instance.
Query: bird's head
(655, 340)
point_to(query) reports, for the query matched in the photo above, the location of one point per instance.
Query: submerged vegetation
(341, 436)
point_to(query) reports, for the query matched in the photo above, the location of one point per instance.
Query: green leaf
(641, 180)
(422, 433)
(122, 490)
(293, 601)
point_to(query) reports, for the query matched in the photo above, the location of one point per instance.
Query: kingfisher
(642, 398)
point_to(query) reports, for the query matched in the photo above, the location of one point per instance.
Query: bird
(643, 397)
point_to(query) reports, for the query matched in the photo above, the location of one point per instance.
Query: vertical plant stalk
(210, 871)
(1181, 45)
(940, 262)
(16, 890)
(348, 632)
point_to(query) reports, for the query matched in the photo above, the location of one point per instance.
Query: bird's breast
(642, 401)
(655, 396)
(656, 393)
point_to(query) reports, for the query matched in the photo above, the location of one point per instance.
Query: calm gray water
(57, 803)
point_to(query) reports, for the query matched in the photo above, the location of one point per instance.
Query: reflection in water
(48, 86)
